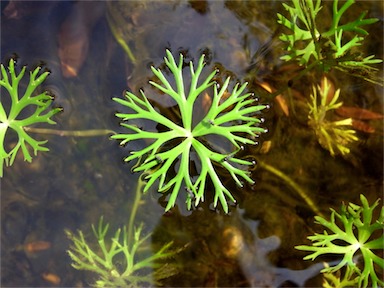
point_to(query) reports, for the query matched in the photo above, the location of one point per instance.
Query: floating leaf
(12, 119)
(231, 115)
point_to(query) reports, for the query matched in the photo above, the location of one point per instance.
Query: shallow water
(81, 179)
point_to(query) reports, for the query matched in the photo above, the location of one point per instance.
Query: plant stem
(135, 206)
(293, 185)
(297, 77)
(76, 133)
(92, 133)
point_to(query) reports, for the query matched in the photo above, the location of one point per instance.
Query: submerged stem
(135, 206)
(295, 78)
(76, 133)
(293, 184)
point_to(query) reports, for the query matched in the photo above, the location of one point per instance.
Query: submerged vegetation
(332, 135)
(327, 49)
(203, 156)
(118, 264)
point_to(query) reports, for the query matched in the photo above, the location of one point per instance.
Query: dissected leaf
(231, 115)
(39, 105)
(301, 44)
(105, 259)
(331, 135)
(327, 49)
(354, 231)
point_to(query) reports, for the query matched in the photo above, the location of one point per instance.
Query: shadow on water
(81, 179)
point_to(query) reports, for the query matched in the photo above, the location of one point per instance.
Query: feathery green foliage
(307, 44)
(25, 110)
(335, 280)
(332, 135)
(117, 262)
(359, 233)
(232, 116)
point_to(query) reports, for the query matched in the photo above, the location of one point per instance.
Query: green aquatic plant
(25, 110)
(231, 115)
(332, 135)
(334, 280)
(327, 49)
(117, 262)
(358, 232)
